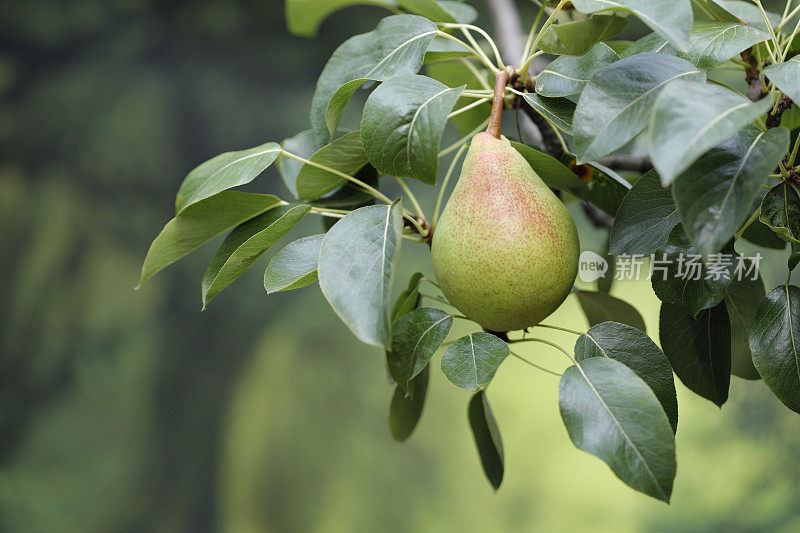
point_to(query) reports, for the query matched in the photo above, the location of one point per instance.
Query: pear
(505, 250)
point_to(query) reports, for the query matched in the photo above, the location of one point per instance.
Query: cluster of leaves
(720, 174)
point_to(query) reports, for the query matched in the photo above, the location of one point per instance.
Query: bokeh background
(134, 411)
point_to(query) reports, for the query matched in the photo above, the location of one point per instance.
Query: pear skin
(505, 250)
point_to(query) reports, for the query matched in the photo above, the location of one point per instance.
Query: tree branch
(755, 87)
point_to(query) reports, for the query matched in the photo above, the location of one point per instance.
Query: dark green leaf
(442, 49)
(295, 266)
(303, 17)
(775, 343)
(714, 196)
(614, 415)
(672, 19)
(711, 43)
(409, 299)
(699, 348)
(304, 144)
(455, 74)
(552, 172)
(471, 361)
(748, 13)
(576, 38)
(601, 307)
(644, 219)
(794, 257)
(604, 283)
(197, 225)
(415, 338)
(356, 269)
(245, 244)
(406, 408)
(395, 47)
(780, 210)
(760, 234)
(608, 189)
(345, 154)
(634, 349)
(224, 172)
(681, 275)
(742, 297)
(557, 111)
(652, 42)
(617, 102)
(487, 438)
(402, 126)
(440, 11)
(690, 118)
(568, 75)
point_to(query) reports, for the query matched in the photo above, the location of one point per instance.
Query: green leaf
(402, 126)
(690, 118)
(454, 74)
(794, 257)
(557, 111)
(612, 414)
(415, 338)
(295, 266)
(406, 408)
(644, 219)
(780, 210)
(576, 38)
(711, 43)
(652, 42)
(699, 349)
(760, 234)
(568, 75)
(304, 144)
(303, 17)
(681, 275)
(245, 244)
(775, 343)
(345, 154)
(471, 361)
(786, 76)
(430, 9)
(487, 438)
(616, 104)
(608, 189)
(356, 269)
(602, 307)
(200, 223)
(716, 194)
(672, 20)
(553, 173)
(224, 172)
(742, 297)
(409, 299)
(461, 11)
(442, 49)
(394, 48)
(638, 352)
(748, 13)
(605, 283)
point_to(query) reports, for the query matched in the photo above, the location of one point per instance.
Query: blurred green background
(134, 411)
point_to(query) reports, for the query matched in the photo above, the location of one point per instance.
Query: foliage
(714, 151)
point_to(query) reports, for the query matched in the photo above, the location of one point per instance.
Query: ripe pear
(505, 250)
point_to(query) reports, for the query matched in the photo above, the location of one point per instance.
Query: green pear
(505, 250)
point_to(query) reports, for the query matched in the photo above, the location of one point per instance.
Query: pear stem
(500, 82)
